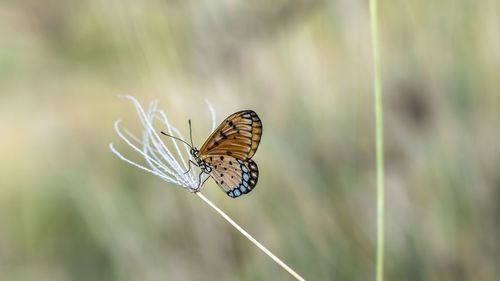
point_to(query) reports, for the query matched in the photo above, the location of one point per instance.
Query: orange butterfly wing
(234, 176)
(237, 136)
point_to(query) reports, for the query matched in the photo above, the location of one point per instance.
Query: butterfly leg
(191, 161)
(199, 180)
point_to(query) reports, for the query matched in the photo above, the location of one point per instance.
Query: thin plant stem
(249, 237)
(379, 140)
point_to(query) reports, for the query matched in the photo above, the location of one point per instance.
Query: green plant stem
(379, 140)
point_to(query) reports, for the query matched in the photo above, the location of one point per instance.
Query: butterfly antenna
(176, 138)
(190, 134)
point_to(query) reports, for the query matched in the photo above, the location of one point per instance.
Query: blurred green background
(71, 210)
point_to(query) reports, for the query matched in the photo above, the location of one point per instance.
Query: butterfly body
(204, 166)
(227, 153)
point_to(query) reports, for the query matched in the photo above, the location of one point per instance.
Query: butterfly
(226, 155)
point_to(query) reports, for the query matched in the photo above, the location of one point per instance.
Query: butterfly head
(204, 166)
(195, 153)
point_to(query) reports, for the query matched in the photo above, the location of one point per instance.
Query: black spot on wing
(249, 177)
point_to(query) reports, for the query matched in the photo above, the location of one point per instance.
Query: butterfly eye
(194, 151)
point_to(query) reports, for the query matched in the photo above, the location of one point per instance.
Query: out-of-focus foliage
(70, 210)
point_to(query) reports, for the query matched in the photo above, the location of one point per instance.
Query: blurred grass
(379, 140)
(70, 210)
